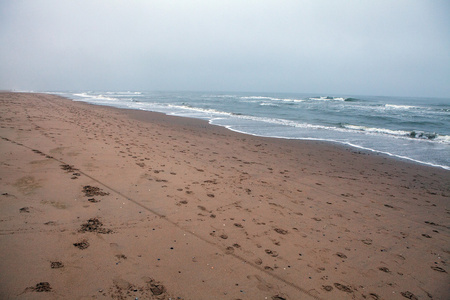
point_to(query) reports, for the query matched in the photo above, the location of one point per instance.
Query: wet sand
(101, 203)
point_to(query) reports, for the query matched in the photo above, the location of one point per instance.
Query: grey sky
(343, 47)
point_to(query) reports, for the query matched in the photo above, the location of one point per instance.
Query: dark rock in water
(431, 136)
(423, 135)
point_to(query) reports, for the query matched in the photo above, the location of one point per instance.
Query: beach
(105, 203)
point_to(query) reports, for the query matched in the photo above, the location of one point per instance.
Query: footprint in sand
(409, 295)
(121, 256)
(152, 289)
(56, 265)
(439, 269)
(384, 269)
(281, 231)
(201, 207)
(71, 169)
(278, 297)
(271, 253)
(373, 296)
(367, 241)
(260, 283)
(229, 250)
(94, 225)
(343, 288)
(83, 244)
(90, 191)
(40, 287)
(327, 288)
(24, 210)
(341, 255)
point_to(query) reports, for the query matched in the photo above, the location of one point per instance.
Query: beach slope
(101, 203)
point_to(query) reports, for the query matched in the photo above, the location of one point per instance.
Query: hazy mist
(346, 47)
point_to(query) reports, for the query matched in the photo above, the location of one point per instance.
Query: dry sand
(101, 203)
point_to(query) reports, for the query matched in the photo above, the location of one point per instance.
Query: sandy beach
(104, 203)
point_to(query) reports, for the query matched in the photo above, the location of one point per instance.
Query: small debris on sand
(94, 225)
(84, 244)
(90, 191)
(56, 265)
(68, 168)
(40, 287)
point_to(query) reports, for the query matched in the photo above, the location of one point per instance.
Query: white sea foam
(96, 97)
(293, 100)
(271, 99)
(327, 98)
(218, 96)
(200, 110)
(269, 104)
(394, 106)
(124, 93)
(284, 122)
(256, 97)
(444, 139)
(378, 130)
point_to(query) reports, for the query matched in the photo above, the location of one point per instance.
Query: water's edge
(210, 121)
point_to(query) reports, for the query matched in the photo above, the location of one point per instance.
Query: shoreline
(389, 154)
(177, 207)
(400, 158)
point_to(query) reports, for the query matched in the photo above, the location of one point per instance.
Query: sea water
(411, 128)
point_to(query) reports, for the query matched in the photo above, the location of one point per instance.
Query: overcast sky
(336, 46)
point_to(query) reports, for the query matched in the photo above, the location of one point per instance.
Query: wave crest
(431, 136)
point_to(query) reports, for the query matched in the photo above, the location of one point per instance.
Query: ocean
(411, 128)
